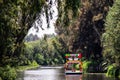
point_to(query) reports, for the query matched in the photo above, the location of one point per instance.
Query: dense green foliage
(91, 66)
(83, 33)
(16, 18)
(46, 51)
(113, 71)
(79, 26)
(8, 73)
(86, 65)
(111, 37)
(66, 24)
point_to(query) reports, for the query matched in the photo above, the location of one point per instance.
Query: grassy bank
(22, 68)
(10, 73)
(26, 67)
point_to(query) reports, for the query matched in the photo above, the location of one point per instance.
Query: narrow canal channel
(57, 73)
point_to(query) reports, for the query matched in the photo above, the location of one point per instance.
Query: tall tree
(80, 25)
(111, 37)
(16, 17)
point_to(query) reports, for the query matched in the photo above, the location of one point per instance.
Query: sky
(46, 30)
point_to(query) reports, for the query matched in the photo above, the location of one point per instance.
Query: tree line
(46, 51)
(91, 27)
(87, 26)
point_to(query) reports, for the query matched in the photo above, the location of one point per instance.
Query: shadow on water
(97, 76)
(57, 73)
(73, 77)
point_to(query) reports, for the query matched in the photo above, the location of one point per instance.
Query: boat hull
(71, 72)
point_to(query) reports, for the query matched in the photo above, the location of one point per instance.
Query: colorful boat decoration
(73, 64)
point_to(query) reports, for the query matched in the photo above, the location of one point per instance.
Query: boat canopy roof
(74, 55)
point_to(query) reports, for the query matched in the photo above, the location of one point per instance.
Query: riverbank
(113, 71)
(33, 65)
(10, 73)
(27, 67)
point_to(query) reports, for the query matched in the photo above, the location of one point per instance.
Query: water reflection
(91, 76)
(58, 74)
(97, 76)
(44, 74)
(73, 77)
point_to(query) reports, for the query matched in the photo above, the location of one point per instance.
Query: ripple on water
(44, 74)
(51, 73)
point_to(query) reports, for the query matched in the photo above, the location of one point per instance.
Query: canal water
(57, 73)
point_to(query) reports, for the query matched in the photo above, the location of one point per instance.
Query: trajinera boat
(73, 64)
